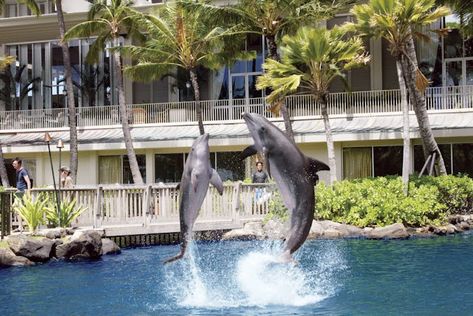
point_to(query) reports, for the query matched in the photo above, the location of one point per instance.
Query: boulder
(109, 247)
(38, 250)
(53, 233)
(83, 244)
(394, 231)
(444, 230)
(241, 234)
(9, 259)
(275, 229)
(462, 226)
(338, 230)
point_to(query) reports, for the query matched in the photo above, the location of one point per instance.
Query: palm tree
(464, 9)
(396, 21)
(311, 60)
(184, 37)
(108, 20)
(71, 105)
(13, 83)
(273, 19)
(4, 62)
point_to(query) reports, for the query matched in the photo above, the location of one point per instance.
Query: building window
(463, 159)
(357, 162)
(419, 159)
(116, 169)
(230, 166)
(168, 167)
(387, 160)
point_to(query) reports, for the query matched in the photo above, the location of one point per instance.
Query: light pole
(47, 139)
(60, 146)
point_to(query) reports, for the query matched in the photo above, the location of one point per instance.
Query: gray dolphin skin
(294, 173)
(193, 187)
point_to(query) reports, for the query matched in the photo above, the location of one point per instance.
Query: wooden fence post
(98, 208)
(236, 202)
(146, 205)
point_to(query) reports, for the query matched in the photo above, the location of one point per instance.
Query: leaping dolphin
(295, 175)
(194, 184)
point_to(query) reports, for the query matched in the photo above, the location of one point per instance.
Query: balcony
(363, 103)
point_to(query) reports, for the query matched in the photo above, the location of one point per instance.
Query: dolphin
(295, 175)
(193, 187)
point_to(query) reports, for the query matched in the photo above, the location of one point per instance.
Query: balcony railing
(360, 102)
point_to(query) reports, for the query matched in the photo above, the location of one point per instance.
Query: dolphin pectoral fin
(315, 166)
(178, 186)
(216, 181)
(248, 151)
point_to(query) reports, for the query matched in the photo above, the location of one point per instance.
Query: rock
(275, 229)
(462, 226)
(240, 234)
(394, 231)
(83, 244)
(316, 230)
(9, 259)
(53, 233)
(38, 250)
(332, 229)
(109, 247)
(445, 229)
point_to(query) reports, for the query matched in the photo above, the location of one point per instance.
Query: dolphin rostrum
(193, 187)
(294, 173)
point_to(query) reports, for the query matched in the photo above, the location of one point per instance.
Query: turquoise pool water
(432, 276)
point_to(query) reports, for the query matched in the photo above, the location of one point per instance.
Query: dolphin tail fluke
(176, 257)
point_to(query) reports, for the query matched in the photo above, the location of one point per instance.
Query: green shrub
(31, 210)
(277, 210)
(69, 212)
(380, 201)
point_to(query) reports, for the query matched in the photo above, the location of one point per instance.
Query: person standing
(22, 178)
(66, 179)
(259, 176)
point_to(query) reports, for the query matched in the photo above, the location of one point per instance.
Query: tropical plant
(108, 20)
(31, 209)
(312, 59)
(16, 82)
(185, 37)
(69, 212)
(4, 62)
(275, 18)
(464, 9)
(89, 82)
(71, 103)
(398, 21)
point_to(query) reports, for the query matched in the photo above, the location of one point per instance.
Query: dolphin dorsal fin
(216, 181)
(248, 151)
(314, 166)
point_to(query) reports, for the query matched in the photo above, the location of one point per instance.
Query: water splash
(251, 276)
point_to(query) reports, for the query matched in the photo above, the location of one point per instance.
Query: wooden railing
(108, 206)
(360, 102)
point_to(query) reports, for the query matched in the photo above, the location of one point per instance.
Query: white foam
(253, 278)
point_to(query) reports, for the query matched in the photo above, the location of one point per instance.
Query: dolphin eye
(263, 129)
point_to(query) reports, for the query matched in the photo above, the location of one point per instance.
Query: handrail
(340, 103)
(157, 204)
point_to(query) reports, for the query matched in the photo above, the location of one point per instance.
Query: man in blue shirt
(22, 179)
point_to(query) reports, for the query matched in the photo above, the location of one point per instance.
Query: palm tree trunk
(198, 109)
(406, 157)
(72, 118)
(134, 168)
(273, 54)
(328, 135)
(409, 67)
(3, 170)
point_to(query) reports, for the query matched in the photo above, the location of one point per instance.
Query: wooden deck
(154, 209)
